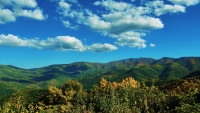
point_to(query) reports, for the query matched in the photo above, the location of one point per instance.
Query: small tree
(76, 87)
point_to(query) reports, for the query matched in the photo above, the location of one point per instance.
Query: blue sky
(37, 33)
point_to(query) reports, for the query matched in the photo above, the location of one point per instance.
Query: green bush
(129, 96)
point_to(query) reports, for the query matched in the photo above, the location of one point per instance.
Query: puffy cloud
(152, 45)
(68, 25)
(160, 8)
(34, 14)
(120, 24)
(185, 2)
(128, 34)
(130, 39)
(4, 3)
(25, 3)
(112, 5)
(169, 9)
(130, 23)
(59, 43)
(124, 21)
(11, 9)
(11, 40)
(101, 47)
(65, 9)
(6, 16)
(130, 19)
(155, 4)
(67, 43)
(64, 6)
(97, 23)
(131, 42)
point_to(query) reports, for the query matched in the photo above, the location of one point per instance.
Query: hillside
(193, 74)
(142, 69)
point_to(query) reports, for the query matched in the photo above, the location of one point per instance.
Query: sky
(38, 33)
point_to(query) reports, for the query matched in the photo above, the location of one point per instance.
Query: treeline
(128, 96)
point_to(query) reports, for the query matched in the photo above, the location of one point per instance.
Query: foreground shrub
(128, 96)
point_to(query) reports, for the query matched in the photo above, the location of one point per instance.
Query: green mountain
(193, 74)
(142, 69)
(128, 95)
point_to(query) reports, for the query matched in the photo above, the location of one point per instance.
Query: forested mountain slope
(141, 69)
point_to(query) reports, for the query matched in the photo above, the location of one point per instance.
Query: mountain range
(142, 69)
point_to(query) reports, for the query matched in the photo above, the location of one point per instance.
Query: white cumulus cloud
(152, 45)
(69, 25)
(131, 42)
(125, 21)
(122, 20)
(169, 9)
(64, 6)
(101, 47)
(113, 5)
(11, 9)
(185, 2)
(59, 43)
(34, 14)
(25, 3)
(155, 4)
(96, 23)
(4, 3)
(6, 16)
(12, 40)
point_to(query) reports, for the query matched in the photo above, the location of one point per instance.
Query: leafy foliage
(128, 96)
